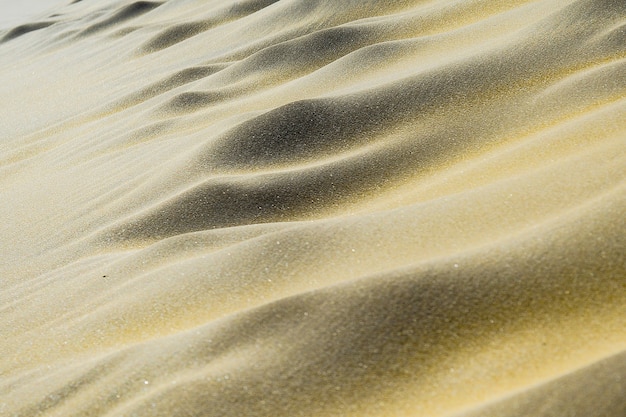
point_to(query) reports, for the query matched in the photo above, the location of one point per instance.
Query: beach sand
(314, 208)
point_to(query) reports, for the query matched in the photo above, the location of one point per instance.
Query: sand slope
(314, 208)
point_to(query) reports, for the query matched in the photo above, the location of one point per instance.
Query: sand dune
(314, 208)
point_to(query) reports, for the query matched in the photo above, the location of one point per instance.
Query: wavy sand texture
(314, 208)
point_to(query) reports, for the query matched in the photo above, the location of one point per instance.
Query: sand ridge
(290, 207)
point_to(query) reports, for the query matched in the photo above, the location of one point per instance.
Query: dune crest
(311, 208)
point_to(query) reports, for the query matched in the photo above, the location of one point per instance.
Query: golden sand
(314, 208)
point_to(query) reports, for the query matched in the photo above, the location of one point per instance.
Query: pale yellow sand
(314, 208)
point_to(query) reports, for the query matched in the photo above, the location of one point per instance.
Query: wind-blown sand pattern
(314, 208)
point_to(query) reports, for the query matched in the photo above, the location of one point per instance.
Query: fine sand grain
(314, 208)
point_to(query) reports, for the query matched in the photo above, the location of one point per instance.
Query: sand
(314, 208)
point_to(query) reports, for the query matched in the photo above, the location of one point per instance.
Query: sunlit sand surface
(314, 208)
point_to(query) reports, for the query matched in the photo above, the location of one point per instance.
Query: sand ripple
(295, 207)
